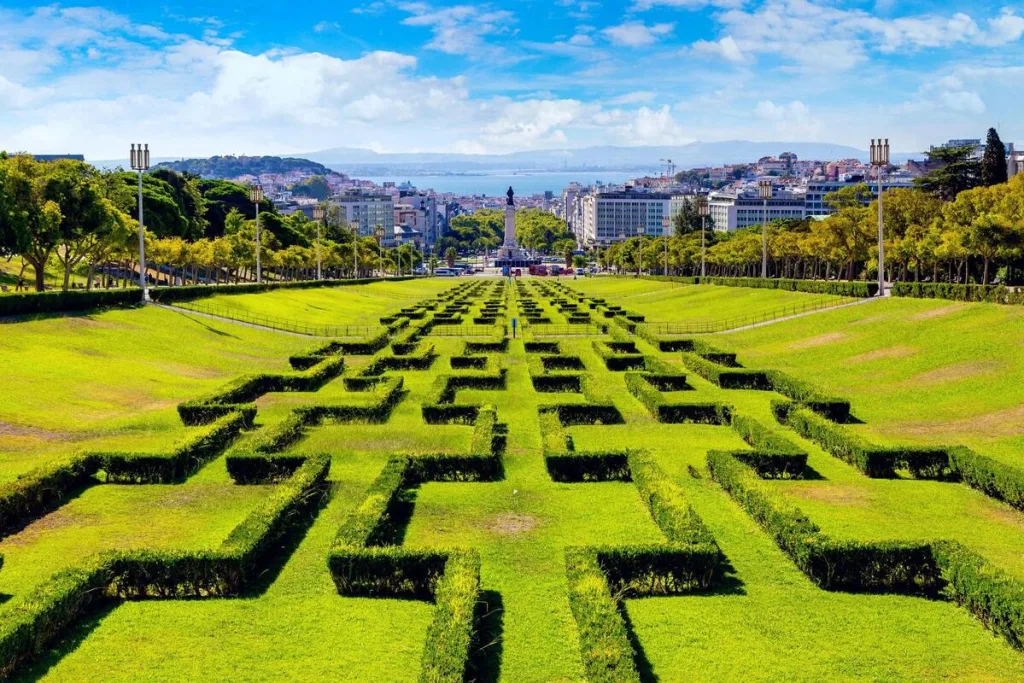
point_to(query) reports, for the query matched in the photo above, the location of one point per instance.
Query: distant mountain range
(356, 161)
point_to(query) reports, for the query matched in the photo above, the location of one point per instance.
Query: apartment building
(367, 211)
(814, 196)
(610, 216)
(735, 210)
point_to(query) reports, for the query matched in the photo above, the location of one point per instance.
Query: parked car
(445, 272)
(580, 271)
(556, 270)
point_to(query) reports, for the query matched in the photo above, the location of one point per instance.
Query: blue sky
(396, 75)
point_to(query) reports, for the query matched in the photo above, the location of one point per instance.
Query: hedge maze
(533, 494)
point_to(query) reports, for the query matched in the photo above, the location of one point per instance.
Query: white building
(732, 210)
(814, 196)
(608, 216)
(418, 212)
(367, 211)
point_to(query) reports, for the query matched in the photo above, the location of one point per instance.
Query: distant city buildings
(365, 211)
(734, 210)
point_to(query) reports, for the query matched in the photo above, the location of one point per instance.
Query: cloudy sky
(392, 75)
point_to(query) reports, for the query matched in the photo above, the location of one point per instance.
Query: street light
(378, 232)
(704, 209)
(256, 196)
(764, 188)
(880, 159)
(319, 213)
(140, 162)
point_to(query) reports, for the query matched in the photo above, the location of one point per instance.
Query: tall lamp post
(319, 213)
(704, 209)
(664, 236)
(140, 162)
(256, 195)
(880, 159)
(378, 232)
(764, 188)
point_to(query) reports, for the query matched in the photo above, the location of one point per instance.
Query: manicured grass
(673, 302)
(356, 305)
(916, 371)
(767, 622)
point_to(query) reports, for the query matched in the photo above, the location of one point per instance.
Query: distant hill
(232, 167)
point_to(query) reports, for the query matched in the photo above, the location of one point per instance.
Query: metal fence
(545, 330)
(284, 325)
(725, 324)
(469, 330)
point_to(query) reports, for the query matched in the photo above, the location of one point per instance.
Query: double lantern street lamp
(880, 159)
(378, 232)
(764, 189)
(139, 158)
(704, 209)
(256, 195)
(319, 213)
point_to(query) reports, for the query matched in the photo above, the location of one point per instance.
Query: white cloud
(636, 97)
(324, 26)
(820, 37)
(726, 49)
(793, 121)
(962, 101)
(459, 29)
(637, 33)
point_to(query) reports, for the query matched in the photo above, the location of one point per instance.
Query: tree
(314, 186)
(567, 253)
(956, 170)
(688, 219)
(450, 255)
(993, 162)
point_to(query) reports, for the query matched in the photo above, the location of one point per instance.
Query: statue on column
(510, 194)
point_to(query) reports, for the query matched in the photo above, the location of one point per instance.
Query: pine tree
(955, 171)
(993, 163)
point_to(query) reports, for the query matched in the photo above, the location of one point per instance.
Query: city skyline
(493, 78)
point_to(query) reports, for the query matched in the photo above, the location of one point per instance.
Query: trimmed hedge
(259, 468)
(998, 294)
(30, 623)
(840, 288)
(989, 476)
(604, 642)
(640, 385)
(774, 456)
(570, 414)
(876, 567)
(991, 595)
(468, 362)
(439, 406)
(724, 377)
(56, 302)
(184, 460)
(237, 394)
(874, 461)
(44, 489)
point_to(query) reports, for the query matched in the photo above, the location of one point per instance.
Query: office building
(608, 216)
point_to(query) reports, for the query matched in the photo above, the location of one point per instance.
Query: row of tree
(968, 239)
(72, 216)
(537, 230)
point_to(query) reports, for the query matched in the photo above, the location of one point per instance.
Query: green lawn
(355, 305)
(673, 302)
(115, 377)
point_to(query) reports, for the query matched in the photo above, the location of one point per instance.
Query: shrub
(181, 462)
(43, 489)
(988, 593)
(604, 643)
(724, 377)
(874, 461)
(447, 647)
(877, 567)
(570, 414)
(542, 347)
(468, 362)
(259, 468)
(773, 456)
(857, 289)
(989, 476)
(999, 294)
(558, 383)
(590, 467)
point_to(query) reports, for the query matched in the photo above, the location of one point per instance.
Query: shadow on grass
(68, 644)
(488, 647)
(198, 321)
